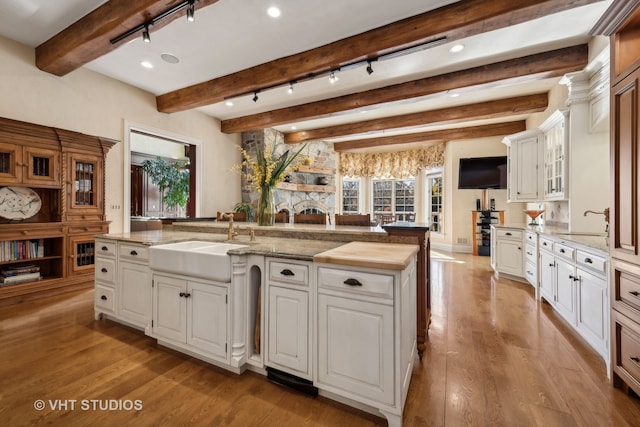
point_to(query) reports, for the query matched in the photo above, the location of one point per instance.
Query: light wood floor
(496, 357)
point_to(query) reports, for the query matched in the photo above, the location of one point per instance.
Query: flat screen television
(482, 173)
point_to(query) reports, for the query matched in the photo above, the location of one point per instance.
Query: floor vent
(291, 381)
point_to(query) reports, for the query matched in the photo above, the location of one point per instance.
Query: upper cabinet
(556, 146)
(525, 166)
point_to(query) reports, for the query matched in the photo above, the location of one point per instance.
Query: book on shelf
(12, 250)
(25, 277)
(19, 269)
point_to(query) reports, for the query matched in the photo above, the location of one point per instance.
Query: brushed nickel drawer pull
(352, 282)
(287, 272)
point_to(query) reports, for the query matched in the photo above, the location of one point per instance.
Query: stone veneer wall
(321, 153)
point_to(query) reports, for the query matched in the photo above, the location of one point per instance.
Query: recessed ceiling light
(454, 95)
(146, 64)
(456, 48)
(170, 58)
(229, 103)
(293, 128)
(273, 11)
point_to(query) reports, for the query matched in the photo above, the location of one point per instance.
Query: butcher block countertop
(391, 256)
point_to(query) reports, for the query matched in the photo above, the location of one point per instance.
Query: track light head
(332, 77)
(145, 34)
(255, 96)
(191, 11)
(290, 89)
(369, 68)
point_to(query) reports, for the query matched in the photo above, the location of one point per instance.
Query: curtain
(402, 164)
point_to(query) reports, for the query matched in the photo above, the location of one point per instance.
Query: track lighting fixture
(190, 5)
(255, 96)
(290, 90)
(332, 77)
(191, 11)
(369, 68)
(145, 34)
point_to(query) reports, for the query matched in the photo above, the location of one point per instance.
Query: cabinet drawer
(626, 283)
(628, 346)
(531, 238)
(104, 298)
(530, 253)
(105, 269)
(94, 229)
(545, 243)
(595, 263)
(32, 232)
(353, 281)
(106, 248)
(502, 233)
(531, 273)
(563, 250)
(133, 252)
(286, 272)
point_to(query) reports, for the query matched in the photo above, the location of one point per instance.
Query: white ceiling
(229, 36)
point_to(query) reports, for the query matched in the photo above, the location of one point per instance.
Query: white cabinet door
(356, 347)
(289, 329)
(509, 258)
(170, 308)
(525, 172)
(565, 290)
(555, 161)
(592, 309)
(134, 293)
(547, 277)
(207, 317)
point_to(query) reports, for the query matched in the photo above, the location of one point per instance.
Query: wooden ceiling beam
(452, 22)
(472, 132)
(89, 37)
(463, 113)
(539, 66)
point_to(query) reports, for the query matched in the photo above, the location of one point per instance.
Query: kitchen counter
(598, 241)
(370, 255)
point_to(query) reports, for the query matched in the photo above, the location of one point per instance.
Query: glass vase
(266, 207)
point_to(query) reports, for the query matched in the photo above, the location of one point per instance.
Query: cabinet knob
(103, 297)
(287, 272)
(104, 270)
(352, 282)
(552, 265)
(25, 232)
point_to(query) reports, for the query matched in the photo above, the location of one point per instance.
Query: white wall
(87, 102)
(458, 204)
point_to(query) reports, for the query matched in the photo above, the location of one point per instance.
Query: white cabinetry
(573, 279)
(525, 166)
(288, 320)
(134, 285)
(531, 258)
(509, 257)
(372, 313)
(192, 313)
(556, 146)
(105, 278)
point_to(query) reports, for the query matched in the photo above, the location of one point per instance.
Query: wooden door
(10, 163)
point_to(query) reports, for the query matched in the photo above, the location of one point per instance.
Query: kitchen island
(279, 306)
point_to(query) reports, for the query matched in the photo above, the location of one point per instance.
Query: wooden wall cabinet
(66, 170)
(621, 22)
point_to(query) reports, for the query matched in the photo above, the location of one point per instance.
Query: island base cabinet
(134, 291)
(289, 330)
(355, 345)
(191, 313)
(565, 291)
(593, 310)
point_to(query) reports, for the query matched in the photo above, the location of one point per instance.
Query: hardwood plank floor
(496, 357)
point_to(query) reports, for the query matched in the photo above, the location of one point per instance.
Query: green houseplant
(172, 179)
(245, 208)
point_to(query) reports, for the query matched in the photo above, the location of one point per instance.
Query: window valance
(402, 164)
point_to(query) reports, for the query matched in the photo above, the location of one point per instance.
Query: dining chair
(353, 219)
(310, 218)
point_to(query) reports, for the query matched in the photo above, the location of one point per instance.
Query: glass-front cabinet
(33, 166)
(555, 155)
(81, 254)
(85, 194)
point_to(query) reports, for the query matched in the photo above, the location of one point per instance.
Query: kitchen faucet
(606, 217)
(231, 233)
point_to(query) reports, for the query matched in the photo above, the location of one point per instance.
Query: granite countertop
(393, 256)
(301, 243)
(591, 240)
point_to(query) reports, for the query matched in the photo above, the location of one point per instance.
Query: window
(434, 199)
(394, 197)
(350, 196)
